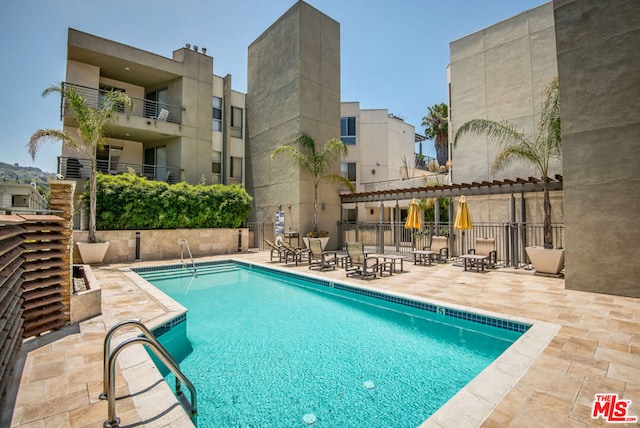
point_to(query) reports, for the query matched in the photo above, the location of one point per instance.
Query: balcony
(141, 108)
(422, 161)
(79, 169)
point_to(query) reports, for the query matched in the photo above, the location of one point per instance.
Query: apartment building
(17, 198)
(187, 124)
(381, 155)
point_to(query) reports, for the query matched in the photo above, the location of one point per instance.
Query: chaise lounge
(359, 264)
(319, 259)
(484, 254)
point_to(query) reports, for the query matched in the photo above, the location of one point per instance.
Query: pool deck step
(188, 271)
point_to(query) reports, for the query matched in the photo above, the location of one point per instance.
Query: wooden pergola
(495, 187)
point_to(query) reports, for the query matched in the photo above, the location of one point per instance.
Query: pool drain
(369, 384)
(309, 419)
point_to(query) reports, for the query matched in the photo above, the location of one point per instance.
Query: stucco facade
(181, 145)
(598, 63)
(293, 87)
(500, 73)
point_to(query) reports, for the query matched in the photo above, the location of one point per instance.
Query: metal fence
(392, 238)
(258, 232)
(511, 238)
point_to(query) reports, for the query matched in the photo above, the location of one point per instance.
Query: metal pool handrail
(151, 342)
(193, 263)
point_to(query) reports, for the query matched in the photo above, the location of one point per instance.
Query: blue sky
(394, 54)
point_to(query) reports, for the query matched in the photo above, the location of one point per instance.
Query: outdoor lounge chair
(164, 114)
(486, 247)
(484, 254)
(297, 254)
(275, 250)
(440, 246)
(321, 259)
(358, 263)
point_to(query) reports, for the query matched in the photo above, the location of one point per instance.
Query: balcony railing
(422, 161)
(78, 168)
(141, 108)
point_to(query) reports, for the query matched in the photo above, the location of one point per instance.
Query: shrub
(127, 201)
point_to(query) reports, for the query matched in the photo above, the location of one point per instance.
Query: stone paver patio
(596, 350)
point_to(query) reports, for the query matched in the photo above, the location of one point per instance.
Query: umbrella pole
(462, 243)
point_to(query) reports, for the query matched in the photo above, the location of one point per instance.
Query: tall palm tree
(315, 162)
(91, 122)
(436, 125)
(546, 144)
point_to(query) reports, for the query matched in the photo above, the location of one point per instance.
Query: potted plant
(546, 144)
(322, 235)
(91, 122)
(317, 163)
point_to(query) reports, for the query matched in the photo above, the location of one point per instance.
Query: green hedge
(127, 201)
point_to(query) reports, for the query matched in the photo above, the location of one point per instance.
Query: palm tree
(316, 163)
(92, 122)
(546, 144)
(436, 125)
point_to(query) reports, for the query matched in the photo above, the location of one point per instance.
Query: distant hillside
(26, 174)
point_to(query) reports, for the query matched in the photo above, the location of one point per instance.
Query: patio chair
(297, 254)
(319, 259)
(358, 263)
(440, 245)
(484, 247)
(164, 114)
(275, 250)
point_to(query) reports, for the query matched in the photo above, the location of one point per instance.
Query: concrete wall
(599, 63)
(500, 73)
(165, 244)
(293, 87)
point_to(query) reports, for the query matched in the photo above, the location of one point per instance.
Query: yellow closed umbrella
(463, 219)
(413, 218)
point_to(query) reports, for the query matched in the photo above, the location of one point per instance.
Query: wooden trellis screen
(46, 286)
(11, 270)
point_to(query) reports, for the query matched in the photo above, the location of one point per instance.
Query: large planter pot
(86, 299)
(547, 261)
(92, 253)
(323, 241)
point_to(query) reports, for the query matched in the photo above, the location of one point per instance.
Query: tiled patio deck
(597, 350)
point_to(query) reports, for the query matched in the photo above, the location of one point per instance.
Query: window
(217, 114)
(216, 163)
(350, 215)
(236, 122)
(19, 201)
(348, 130)
(348, 170)
(216, 168)
(108, 159)
(156, 101)
(236, 168)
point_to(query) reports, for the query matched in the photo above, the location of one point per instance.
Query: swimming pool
(348, 356)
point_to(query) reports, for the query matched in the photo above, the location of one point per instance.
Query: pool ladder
(186, 244)
(150, 341)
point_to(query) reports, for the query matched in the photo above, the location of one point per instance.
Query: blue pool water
(271, 350)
